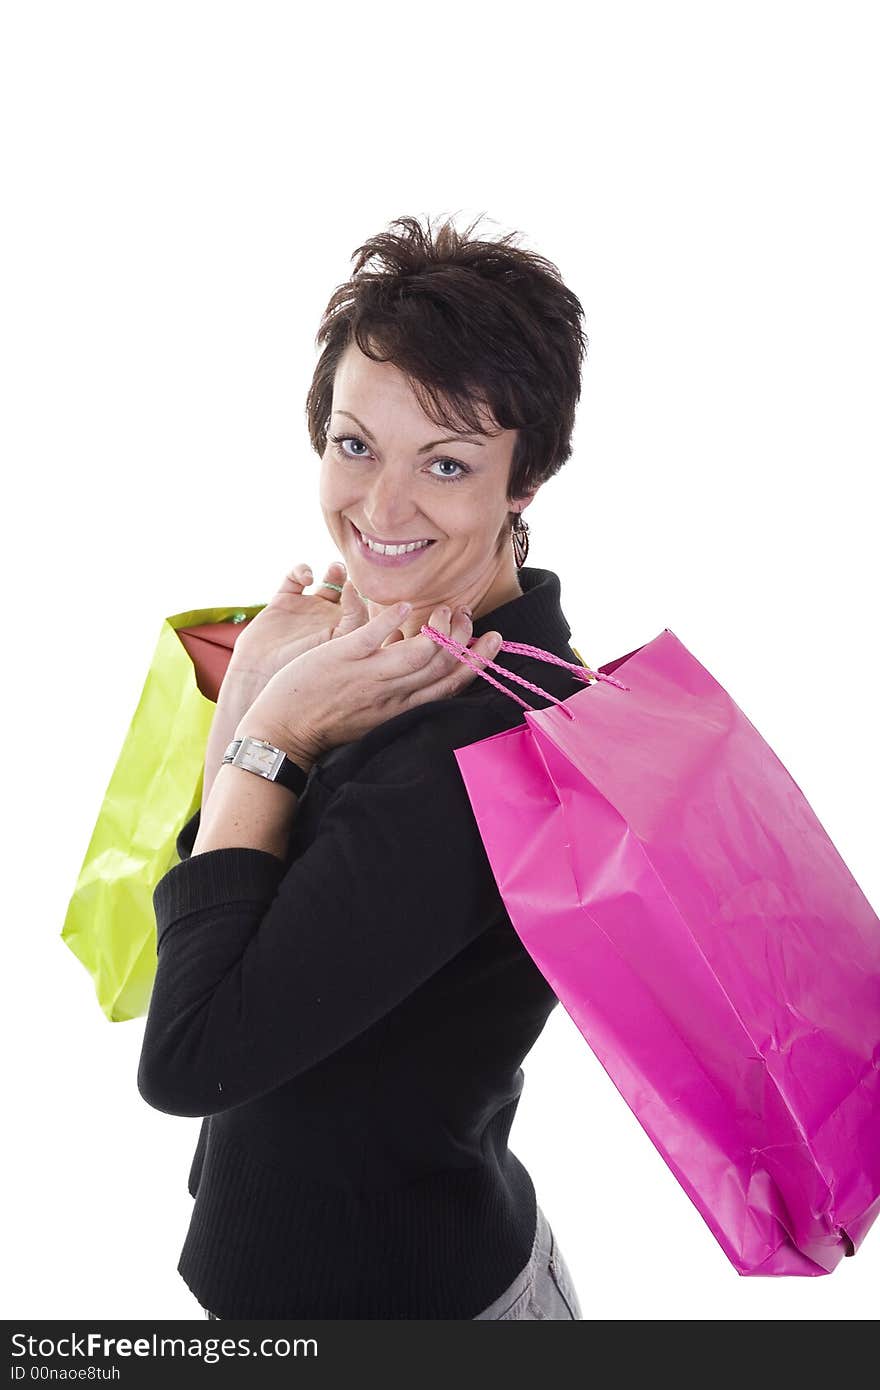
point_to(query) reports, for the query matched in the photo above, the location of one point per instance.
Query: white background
(184, 185)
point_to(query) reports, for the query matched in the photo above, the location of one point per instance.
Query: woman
(339, 990)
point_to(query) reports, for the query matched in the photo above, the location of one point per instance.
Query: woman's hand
(342, 689)
(294, 622)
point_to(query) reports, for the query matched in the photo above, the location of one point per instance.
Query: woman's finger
(332, 583)
(368, 639)
(296, 579)
(418, 663)
(460, 629)
(438, 661)
(444, 620)
(427, 659)
(353, 612)
(450, 682)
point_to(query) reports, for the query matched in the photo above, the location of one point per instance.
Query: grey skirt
(542, 1289)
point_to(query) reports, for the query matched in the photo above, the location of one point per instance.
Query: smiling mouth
(391, 549)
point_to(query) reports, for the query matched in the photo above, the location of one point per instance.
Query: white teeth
(392, 549)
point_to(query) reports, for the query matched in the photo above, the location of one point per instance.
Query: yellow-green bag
(155, 788)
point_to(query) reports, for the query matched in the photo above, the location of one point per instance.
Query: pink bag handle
(583, 673)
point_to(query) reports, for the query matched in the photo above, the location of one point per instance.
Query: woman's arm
(238, 691)
(244, 811)
(264, 969)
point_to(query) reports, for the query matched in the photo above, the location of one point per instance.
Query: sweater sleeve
(265, 968)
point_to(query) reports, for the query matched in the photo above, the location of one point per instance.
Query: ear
(525, 499)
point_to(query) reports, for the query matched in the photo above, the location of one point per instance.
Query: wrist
(241, 683)
(298, 750)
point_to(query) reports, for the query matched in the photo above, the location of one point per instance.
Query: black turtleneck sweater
(351, 1022)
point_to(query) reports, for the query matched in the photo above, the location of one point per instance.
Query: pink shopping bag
(676, 890)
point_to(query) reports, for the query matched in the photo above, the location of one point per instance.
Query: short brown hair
(473, 324)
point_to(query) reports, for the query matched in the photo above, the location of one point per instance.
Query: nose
(387, 508)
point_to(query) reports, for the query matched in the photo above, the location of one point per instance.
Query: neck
(504, 587)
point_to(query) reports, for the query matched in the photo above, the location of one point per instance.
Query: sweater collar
(536, 616)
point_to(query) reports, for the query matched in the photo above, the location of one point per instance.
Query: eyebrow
(450, 439)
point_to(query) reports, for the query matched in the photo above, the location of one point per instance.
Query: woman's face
(387, 474)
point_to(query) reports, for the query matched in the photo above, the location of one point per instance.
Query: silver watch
(266, 760)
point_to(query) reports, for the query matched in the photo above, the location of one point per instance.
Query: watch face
(258, 759)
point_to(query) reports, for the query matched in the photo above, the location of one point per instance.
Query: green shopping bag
(155, 788)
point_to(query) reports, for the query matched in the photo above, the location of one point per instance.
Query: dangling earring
(519, 535)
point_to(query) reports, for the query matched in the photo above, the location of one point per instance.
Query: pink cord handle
(583, 673)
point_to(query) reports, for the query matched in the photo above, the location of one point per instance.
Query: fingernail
(467, 612)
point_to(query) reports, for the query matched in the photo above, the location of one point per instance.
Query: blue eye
(339, 439)
(455, 477)
(345, 439)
